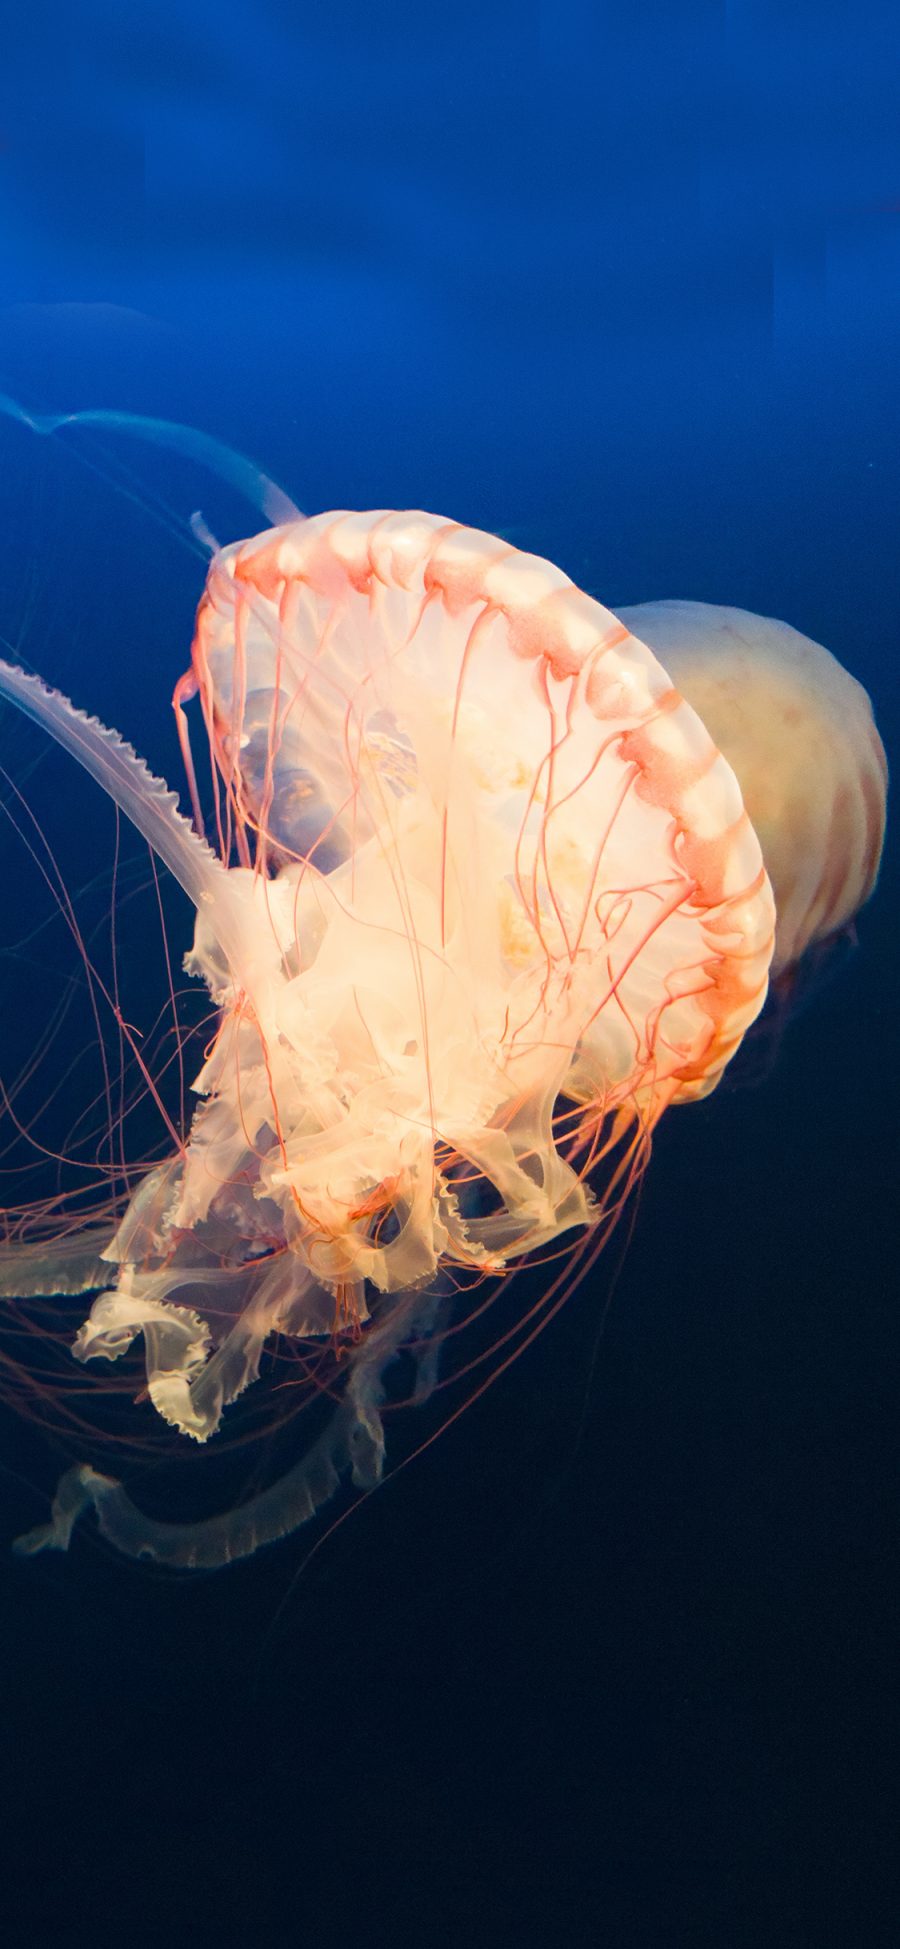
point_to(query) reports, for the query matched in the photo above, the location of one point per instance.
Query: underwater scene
(448, 1058)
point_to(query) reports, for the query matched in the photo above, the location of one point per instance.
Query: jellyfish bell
(800, 733)
(483, 901)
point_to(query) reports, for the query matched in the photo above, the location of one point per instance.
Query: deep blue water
(615, 1660)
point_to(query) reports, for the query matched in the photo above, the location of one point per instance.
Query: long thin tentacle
(223, 460)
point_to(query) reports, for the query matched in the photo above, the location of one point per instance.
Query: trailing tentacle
(231, 467)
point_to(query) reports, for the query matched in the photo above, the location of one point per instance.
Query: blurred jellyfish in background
(483, 901)
(800, 734)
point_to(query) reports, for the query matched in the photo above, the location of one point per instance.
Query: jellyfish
(800, 734)
(480, 899)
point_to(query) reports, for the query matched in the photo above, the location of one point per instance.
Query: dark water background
(615, 1660)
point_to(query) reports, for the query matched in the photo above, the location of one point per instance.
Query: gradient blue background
(615, 1661)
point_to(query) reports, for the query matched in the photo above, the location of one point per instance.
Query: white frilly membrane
(492, 878)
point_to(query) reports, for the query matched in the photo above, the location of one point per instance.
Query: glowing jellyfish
(800, 734)
(496, 903)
